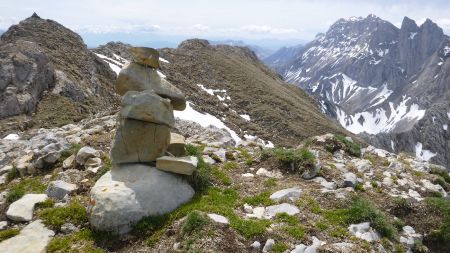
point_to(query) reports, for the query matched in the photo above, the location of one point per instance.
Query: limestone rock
(58, 189)
(180, 165)
(176, 145)
(33, 238)
(135, 77)
(145, 56)
(364, 231)
(22, 209)
(131, 143)
(289, 194)
(68, 162)
(218, 218)
(147, 106)
(350, 179)
(268, 246)
(85, 153)
(129, 192)
(93, 164)
(272, 211)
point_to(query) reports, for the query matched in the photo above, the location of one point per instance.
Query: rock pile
(133, 189)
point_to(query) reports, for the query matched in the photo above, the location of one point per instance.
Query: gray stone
(135, 77)
(256, 245)
(218, 218)
(93, 164)
(364, 231)
(311, 173)
(3, 225)
(208, 160)
(350, 179)
(6, 169)
(58, 189)
(22, 209)
(68, 162)
(177, 145)
(341, 247)
(85, 153)
(147, 106)
(272, 211)
(308, 249)
(33, 238)
(289, 194)
(145, 55)
(48, 156)
(68, 228)
(268, 245)
(181, 165)
(131, 143)
(129, 192)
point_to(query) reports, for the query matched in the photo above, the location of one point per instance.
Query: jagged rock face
(25, 73)
(73, 71)
(375, 78)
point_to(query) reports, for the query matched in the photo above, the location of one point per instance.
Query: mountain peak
(35, 15)
(409, 24)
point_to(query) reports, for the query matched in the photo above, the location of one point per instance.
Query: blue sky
(269, 23)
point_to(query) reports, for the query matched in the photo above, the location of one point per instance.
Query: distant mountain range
(390, 84)
(261, 52)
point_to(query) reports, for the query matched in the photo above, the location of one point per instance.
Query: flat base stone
(129, 192)
(22, 209)
(181, 165)
(33, 238)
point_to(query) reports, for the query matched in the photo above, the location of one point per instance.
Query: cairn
(134, 189)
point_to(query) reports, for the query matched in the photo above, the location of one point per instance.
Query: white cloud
(125, 28)
(200, 27)
(265, 29)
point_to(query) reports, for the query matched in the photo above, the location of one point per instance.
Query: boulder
(147, 106)
(289, 194)
(85, 153)
(22, 209)
(176, 145)
(129, 192)
(145, 56)
(58, 189)
(136, 77)
(33, 238)
(48, 155)
(180, 165)
(131, 143)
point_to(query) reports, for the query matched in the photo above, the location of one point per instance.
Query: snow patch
(445, 127)
(11, 137)
(163, 60)
(116, 64)
(205, 120)
(392, 146)
(412, 35)
(423, 154)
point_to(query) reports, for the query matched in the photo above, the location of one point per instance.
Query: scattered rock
(248, 208)
(180, 165)
(341, 247)
(256, 245)
(33, 238)
(308, 249)
(266, 173)
(350, 179)
(121, 197)
(433, 187)
(208, 160)
(272, 211)
(68, 162)
(93, 164)
(289, 194)
(85, 153)
(258, 212)
(58, 189)
(22, 209)
(268, 245)
(364, 231)
(248, 176)
(68, 228)
(218, 218)
(3, 225)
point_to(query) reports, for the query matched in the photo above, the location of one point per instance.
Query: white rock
(33, 238)
(11, 137)
(272, 211)
(258, 212)
(256, 245)
(218, 218)
(266, 173)
(289, 194)
(22, 209)
(6, 169)
(58, 189)
(362, 165)
(208, 160)
(181, 165)
(85, 153)
(433, 187)
(248, 176)
(414, 194)
(3, 225)
(364, 231)
(93, 164)
(268, 245)
(299, 248)
(129, 192)
(248, 208)
(350, 179)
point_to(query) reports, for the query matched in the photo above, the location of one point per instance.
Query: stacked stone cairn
(135, 188)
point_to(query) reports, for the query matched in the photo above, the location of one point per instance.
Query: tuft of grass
(361, 210)
(260, 199)
(201, 179)
(359, 187)
(28, 185)
(221, 175)
(270, 182)
(310, 203)
(321, 225)
(230, 165)
(279, 247)
(351, 148)
(48, 203)
(74, 213)
(250, 228)
(442, 173)
(293, 158)
(286, 218)
(442, 234)
(81, 241)
(8, 233)
(339, 232)
(12, 174)
(194, 222)
(194, 150)
(296, 232)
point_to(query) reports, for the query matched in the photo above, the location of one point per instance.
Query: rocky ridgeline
(133, 189)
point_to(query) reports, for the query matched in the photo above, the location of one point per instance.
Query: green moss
(194, 222)
(80, 242)
(28, 185)
(8, 233)
(201, 179)
(286, 218)
(279, 247)
(359, 187)
(74, 213)
(296, 232)
(338, 232)
(270, 182)
(297, 157)
(221, 176)
(194, 150)
(250, 228)
(46, 204)
(442, 173)
(442, 234)
(321, 225)
(260, 199)
(309, 203)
